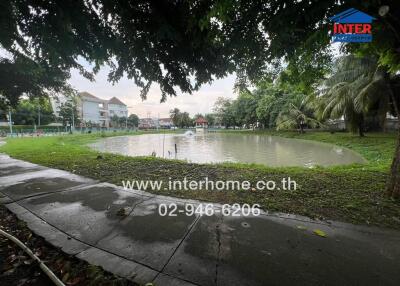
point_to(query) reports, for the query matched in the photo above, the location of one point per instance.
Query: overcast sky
(201, 101)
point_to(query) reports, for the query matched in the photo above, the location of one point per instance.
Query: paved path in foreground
(80, 215)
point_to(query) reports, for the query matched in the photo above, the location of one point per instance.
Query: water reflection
(219, 147)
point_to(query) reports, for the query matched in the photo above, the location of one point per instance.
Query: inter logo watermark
(352, 26)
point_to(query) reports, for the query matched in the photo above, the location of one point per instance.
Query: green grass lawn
(353, 193)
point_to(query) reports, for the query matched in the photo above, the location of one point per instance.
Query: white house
(117, 107)
(94, 110)
(147, 123)
(165, 123)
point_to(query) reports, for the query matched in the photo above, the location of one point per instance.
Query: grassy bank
(353, 193)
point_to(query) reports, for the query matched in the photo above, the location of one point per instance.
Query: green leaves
(175, 44)
(357, 88)
(180, 119)
(319, 233)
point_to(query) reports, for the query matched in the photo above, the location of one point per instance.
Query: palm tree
(356, 88)
(296, 113)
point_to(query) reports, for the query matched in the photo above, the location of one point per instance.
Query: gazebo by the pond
(201, 124)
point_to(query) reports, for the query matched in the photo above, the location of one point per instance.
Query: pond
(222, 147)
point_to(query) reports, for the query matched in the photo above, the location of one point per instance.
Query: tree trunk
(301, 128)
(361, 132)
(361, 127)
(393, 186)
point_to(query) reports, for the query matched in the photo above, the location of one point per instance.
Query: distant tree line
(122, 122)
(355, 89)
(183, 119)
(30, 112)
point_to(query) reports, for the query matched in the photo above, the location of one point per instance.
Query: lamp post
(72, 115)
(39, 115)
(10, 122)
(73, 119)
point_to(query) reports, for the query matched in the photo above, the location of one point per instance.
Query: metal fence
(53, 131)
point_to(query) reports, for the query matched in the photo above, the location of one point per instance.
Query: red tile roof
(201, 120)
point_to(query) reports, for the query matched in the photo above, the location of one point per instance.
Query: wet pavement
(123, 232)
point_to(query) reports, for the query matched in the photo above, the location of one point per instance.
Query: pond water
(221, 147)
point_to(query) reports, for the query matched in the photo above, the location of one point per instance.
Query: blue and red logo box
(352, 26)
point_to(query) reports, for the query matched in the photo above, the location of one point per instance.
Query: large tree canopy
(177, 44)
(167, 42)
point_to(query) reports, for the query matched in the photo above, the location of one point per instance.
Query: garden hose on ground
(43, 266)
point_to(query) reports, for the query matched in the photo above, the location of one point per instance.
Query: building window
(101, 105)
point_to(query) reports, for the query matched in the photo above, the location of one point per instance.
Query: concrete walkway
(80, 215)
